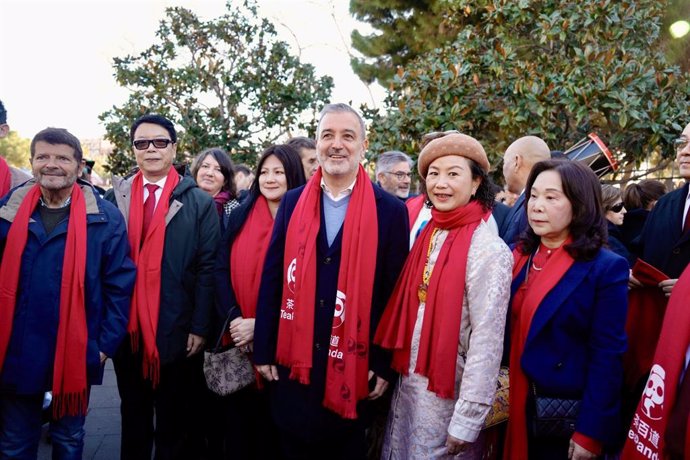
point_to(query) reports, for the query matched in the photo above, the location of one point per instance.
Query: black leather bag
(553, 417)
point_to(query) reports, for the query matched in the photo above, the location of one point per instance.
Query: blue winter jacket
(110, 274)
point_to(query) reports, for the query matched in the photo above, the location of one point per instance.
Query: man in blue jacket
(337, 248)
(65, 285)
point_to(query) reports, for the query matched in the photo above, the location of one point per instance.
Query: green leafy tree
(551, 68)
(225, 82)
(404, 29)
(16, 150)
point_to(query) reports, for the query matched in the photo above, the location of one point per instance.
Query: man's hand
(268, 371)
(242, 331)
(667, 286)
(104, 357)
(455, 445)
(379, 389)
(194, 344)
(633, 282)
(577, 452)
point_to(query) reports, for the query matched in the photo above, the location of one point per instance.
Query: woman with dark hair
(639, 199)
(238, 274)
(214, 173)
(615, 213)
(455, 286)
(567, 320)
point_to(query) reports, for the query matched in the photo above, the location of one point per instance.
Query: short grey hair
(388, 159)
(341, 108)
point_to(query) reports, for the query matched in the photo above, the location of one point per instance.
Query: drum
(594, 153)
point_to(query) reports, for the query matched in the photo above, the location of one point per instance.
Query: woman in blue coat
(567, 316)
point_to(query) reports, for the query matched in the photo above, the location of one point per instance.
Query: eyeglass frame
(165, 142)
(399, 174)
(680, 143)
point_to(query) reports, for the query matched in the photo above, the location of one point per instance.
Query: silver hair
(387, 160)
(341, 108)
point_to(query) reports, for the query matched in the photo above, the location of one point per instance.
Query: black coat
(662, 243)
(192, 234)
(515, 222)
(298, 408)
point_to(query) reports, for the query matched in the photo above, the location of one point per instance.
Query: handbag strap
(217, 347)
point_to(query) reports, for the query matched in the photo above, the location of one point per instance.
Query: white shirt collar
(160, 183)
(343, 194)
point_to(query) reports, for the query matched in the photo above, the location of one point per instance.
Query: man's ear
(4, 129)
(518, 161)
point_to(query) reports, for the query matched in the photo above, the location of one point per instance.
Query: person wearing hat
(455, 285)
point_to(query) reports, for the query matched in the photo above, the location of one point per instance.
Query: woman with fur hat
(455, 285)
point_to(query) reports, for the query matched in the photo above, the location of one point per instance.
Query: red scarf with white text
(438, 342)
(69, 369)
(248, 254)
(646, 437)
(143, 317)
(347, 368)
(5, 177)
(521, 320)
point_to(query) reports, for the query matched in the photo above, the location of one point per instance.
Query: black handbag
(553, 417)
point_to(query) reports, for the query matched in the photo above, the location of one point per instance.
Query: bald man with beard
(518, 160)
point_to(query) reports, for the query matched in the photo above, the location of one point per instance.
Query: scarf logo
(653, 397)
(291, 275)
(339, 312)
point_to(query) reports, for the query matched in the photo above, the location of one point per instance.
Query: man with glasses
(665, 238)
(394, 173)
(173, 233)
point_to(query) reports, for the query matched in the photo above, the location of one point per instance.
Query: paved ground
(102, 422)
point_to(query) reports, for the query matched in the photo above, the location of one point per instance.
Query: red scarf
(414, 207)
(69, 369)
(651, 418)
(438, 342)
(348, 354)
(522, 313)
(248, 254)
(5, 177)
(143, 318)
(646, 308)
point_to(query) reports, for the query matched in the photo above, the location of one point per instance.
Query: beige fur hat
(452, 144)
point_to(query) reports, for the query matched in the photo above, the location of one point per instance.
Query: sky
(57, 55)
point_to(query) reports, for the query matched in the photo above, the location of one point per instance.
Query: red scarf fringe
(5, 177)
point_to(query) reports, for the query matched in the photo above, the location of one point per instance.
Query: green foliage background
(227, 82)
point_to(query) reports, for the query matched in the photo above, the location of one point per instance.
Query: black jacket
(192, 234)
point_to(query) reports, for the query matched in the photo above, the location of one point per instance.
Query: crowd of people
(380, 323)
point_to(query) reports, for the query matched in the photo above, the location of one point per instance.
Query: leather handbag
(553, 417)
(227, 369)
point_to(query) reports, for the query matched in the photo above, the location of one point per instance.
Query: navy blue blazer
(576, 342)
(515, 222)
(298, 407)
(662, 243)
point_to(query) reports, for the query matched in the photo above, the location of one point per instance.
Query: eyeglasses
(143, 144)
(618, 207)
(400, 175)
(680, 143)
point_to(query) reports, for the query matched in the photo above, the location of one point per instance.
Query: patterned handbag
(554, 417)
(227, 370)
(499, 409)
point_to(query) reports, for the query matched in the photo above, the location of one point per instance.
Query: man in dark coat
(665, 239)
(174, 237)
(69, 304)
(518, 160)
(308, 429)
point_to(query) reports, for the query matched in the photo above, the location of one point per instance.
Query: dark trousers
(139, 402)
(349, 444)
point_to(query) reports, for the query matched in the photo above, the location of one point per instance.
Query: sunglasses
(143, 144)
(436, 135)
(618, 207)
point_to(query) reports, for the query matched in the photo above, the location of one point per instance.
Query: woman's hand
(455, 445)
(242, 331)
(577, 452)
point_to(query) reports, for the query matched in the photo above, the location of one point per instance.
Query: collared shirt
(342, 194)
(685, 211)
(159, 190)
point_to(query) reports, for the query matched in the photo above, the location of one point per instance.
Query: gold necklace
(426, 274)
